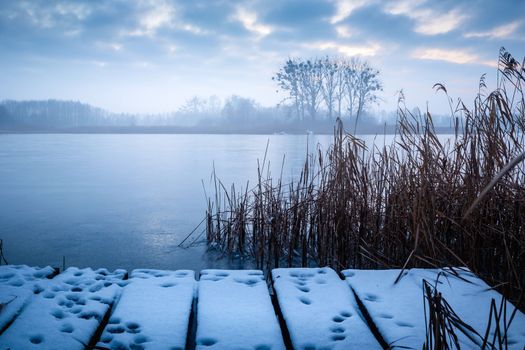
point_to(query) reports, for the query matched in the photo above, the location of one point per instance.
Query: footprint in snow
(338, 319)
(250, 282)
(404, 324)
(345, 314)
(207, 341)
(303, 289)
(371, 297)
(67, 328)
(168, 284)
(337, 329)
(338, 337)
(263, 347)
(36, 339)
(305, 300)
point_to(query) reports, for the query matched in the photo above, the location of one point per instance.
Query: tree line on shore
(234, 114)
(315, 93)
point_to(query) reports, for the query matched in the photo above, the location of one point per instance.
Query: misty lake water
(124, 201)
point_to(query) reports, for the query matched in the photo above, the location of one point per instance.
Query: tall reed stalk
(407, 204)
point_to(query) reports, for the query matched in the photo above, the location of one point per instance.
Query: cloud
(343, 31)
(347, 50)
(249, 20)
(402, 7)
(344, 8)
(452, 56)
(80, 11)
(109, 46)
(157, 14)
(154, 15)
(47, 16)
(428, 21)
(172, 49)
(193, 29)
(116, 46)
(502, 32)
(100, 64)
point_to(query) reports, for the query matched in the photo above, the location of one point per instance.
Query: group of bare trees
(340, 87)
(56, 113)
(233, 109)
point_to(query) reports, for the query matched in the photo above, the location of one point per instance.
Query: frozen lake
(127, 200)
(123, 201)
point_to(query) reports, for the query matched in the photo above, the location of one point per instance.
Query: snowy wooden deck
(308, 309)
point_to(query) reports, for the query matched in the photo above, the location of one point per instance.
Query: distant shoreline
(388, 130)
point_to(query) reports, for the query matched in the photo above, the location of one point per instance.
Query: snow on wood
(153, 311)
(235, 312)
(18, 283)
(67, 311)
(398, 309)
(320, 311)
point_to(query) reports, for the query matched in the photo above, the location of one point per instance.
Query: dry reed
(414, 203)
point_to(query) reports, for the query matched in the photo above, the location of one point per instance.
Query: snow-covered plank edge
(67, 312)
(18, 283)
(397, 311)
(370, 321)
(167, 296)
(282, 323)
(319, 310)
(235, 310)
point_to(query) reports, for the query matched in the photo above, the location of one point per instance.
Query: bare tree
(288, 79)
(194, 105)
(350, 85)
(240, 109)
(350, 73)
(311, 73)
(340, 86)
(368, 85)
(330, 82)
(361, 87)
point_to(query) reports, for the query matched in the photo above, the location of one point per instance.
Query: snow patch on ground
(66, 312)
(398, 312)
(320, 310)
(153, 311)
(18, 283)
(235, 312)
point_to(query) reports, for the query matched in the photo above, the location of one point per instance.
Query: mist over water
(128, 200)
(123, 201)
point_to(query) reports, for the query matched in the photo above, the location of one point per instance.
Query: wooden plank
(66, 313)
(397, 310)
(235, 312)
(319, 310)
(18, 284)
(153, 311)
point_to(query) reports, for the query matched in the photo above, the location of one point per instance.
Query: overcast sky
(152, 55)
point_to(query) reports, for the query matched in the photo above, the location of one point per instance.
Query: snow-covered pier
(303, 308)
